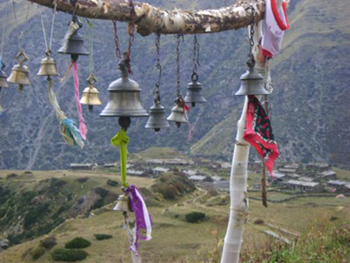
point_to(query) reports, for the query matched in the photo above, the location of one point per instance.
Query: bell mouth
(157, 129)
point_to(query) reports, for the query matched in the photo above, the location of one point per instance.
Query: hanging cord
(159, 67)
(116, 39)
(91, 46)
(2, 45)
(131, 30)
(196, 48)
(21, 35)
(179, 37)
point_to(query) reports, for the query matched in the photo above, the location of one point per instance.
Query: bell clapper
(124, 122)
(20, 88)
(91, 108)
(178, 124)
(193, 104)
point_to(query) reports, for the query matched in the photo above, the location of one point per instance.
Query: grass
(173, 238)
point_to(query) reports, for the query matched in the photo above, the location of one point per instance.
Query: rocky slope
(309, 104)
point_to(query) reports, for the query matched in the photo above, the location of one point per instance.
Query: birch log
(150, 19)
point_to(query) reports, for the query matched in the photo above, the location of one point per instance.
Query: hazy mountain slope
(310, 111)
(307, 79)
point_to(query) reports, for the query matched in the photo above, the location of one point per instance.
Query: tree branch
(150, 19)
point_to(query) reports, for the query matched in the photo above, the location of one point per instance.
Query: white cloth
(276, 22)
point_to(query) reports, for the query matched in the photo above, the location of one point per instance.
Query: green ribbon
(122, 140)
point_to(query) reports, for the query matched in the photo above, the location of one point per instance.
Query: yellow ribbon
(122, 140)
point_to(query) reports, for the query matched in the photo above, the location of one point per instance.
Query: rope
(121, 139)
(15, 15)
(2, 43)
(52, 25)
(53, 101)
(179, 36)
(159, 67)
(43, 28)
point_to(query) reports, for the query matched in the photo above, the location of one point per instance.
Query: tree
(149, 19)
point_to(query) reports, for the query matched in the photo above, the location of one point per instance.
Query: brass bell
(123, 204)
(73, 41)
(157, 118)
(124, 95)
(20, 72)
(3, 77)
(177, 112)
(48, 66)
(252, 83)
(194, 91)
(90, 94)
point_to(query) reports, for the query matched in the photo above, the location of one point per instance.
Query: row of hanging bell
(20, 73)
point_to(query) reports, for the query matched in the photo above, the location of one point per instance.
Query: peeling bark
(150, 19)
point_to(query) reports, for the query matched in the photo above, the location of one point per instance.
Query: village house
(81, 166)
(340, 186)
(327, 175)
(159, 170)
(304, 186)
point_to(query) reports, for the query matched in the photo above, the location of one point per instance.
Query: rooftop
(302, 183)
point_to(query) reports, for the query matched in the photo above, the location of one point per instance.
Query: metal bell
(123, 204)
(48, 66)
(157, 118)
(178, 113)
(3, 77)
(252, 83)
(90, 94)
(73, 41)
(124, 96)
(194, 91)
(20, 72)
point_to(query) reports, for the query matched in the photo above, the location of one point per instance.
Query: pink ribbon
(82, 126)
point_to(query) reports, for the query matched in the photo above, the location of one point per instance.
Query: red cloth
(258, 132)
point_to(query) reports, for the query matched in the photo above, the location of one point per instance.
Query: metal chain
(196, 48)
(252, 23)
(159, 67)
(116, 39)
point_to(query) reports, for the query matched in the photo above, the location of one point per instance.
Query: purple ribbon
(143, 218)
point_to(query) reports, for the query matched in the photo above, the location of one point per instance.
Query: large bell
(20, 72)
(178, 113)
(48, 66)
(90, 94)
(3, 77)
(252, 83)
(194, 91)
(157, 118)
(73, 41)
(124, 96)
(123, 204)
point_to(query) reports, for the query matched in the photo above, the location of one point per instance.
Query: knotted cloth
(122, 140)
(258, 132)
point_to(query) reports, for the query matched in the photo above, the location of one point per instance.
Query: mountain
(309, 103)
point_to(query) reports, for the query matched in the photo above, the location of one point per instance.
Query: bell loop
(251, 60)
(194, 76)
(22, 57)
(91, 80)
(124, 65)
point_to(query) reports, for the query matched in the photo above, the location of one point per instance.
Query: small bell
(73, 41)
(90, 94)
(3, 77)
(157, 118)
(252, 83)
(124, 96)
(123, 204)
(20, 72)
(48, 66)
(178, 113)
(194, 91)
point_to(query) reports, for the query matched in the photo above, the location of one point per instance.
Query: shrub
(112, 183)
(48, 242)
(103, 236)
(82, 179)
(259, 222)
(37, 252)
(195, 217)
(12, 175)
(78, 242)
(68, 255)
